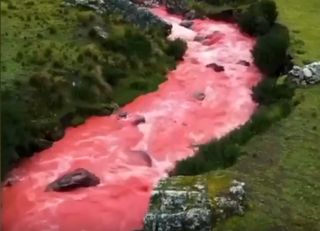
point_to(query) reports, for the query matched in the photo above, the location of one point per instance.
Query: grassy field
(281, 167)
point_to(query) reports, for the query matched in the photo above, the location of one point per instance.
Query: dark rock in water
(139, 120)
(123, 114)
(186, 23)
(215, 67)
(199, 96)
(199, 38)
(244, 63)
(77, 178)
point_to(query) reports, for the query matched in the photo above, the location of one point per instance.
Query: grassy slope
(282, 165)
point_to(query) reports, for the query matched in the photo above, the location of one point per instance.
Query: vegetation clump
(270, 51)
(259, 17)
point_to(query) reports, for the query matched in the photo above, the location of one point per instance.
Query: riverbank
(281, 165)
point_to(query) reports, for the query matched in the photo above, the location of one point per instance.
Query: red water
(175, 121)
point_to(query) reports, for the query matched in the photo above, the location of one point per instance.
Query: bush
(269, 92)
(270, 51)
(177, 49)
(258, 18)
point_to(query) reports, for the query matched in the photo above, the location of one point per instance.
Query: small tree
(270, 50)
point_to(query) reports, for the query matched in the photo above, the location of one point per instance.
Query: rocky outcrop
(131, 12)
(186, 23)
(78, 178)
(178, 204)
(307, 75)
(230, 203)
(176, 207)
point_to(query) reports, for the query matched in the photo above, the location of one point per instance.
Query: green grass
(303, 19)
(282, 165)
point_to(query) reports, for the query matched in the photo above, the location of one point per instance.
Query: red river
(175, 122)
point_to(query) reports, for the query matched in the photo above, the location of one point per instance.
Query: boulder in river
(75, 179)
(215, 67)
(186, 23)
(244, 63)
(199, 95)
(123, 114)
(138, 120)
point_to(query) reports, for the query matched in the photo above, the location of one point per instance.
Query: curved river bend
(106, 146)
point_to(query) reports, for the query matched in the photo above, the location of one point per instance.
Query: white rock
(307, 72)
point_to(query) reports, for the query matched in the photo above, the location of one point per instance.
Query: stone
(199, 96)
(75, 179)
(138, 120)
(186, 23)
(123, 114)
(244, 63)
(177, 207)
(215, 67)
(307, 75)
(232, 202)
(307, 72)
(199, 38)
(101, 33)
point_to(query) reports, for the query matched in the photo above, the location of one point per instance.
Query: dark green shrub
(270, 51)
(258, 18)
(176, 49)
(268, 91)
(52, 30)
